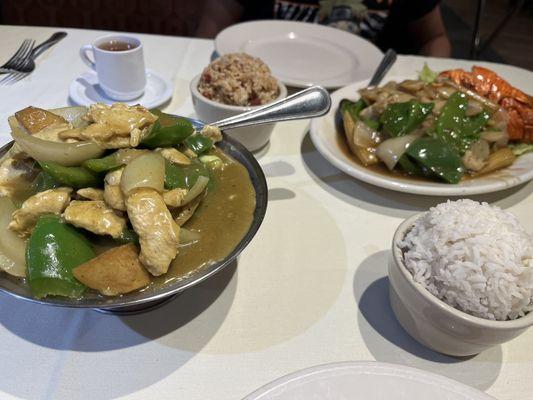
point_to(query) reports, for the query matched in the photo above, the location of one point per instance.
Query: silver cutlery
(384, 66)
(22, 52)
(308, 103)
(24, 64)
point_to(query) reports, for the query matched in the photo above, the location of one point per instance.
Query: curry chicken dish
(116, 198)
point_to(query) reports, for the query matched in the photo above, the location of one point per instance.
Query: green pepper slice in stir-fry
(168, 131)
(103, 164)
(44, 181)
(75, 177)
(53, 250)
(183, 176)
(455, 128)
(436, 156)
(399, 119)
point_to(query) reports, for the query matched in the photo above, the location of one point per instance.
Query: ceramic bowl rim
(397, 255)
(193, 87)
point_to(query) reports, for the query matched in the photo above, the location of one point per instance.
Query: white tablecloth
(310, 289)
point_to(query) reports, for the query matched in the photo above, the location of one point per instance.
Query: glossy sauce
(222, 219)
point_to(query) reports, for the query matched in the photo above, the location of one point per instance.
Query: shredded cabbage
(427, 74)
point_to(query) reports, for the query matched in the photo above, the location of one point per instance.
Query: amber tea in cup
(117, 45)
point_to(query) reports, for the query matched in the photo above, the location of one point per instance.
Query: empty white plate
(368, 381)
(302, 54)
(84, 90)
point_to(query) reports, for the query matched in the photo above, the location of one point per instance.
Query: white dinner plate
(368, 381)
(328, 137)
(302, 54)
(84, 91)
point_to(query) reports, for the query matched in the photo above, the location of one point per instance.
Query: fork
(23, 66)
(20, 56)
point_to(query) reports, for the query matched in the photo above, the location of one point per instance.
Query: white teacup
(119, 64)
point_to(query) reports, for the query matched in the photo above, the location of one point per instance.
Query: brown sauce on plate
(222, 219)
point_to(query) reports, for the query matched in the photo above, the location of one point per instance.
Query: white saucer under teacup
(85, 90)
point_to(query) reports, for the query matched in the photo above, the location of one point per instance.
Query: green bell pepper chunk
(353, 108)
(455, 128)
(399, 119)
(168, 131)
(199, 143)
(410, 166)
(439, 157)
(372, 123)
(43, 182)
(53, 251)
(75, 177)
(183, 176)
(103, 164)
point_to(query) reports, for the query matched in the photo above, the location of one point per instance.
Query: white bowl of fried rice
(233, 84)
(461, 277)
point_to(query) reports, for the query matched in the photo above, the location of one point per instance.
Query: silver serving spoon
(308, 103)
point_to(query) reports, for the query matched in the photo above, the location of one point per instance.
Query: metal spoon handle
(386, 63)
(309, 103)
(56, 37)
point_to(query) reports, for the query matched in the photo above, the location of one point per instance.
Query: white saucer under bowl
(84, 90)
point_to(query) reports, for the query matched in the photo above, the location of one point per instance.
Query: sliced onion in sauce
(145, 171)
(66, 154)
(12, 247)
(196, 189)
(390, 150)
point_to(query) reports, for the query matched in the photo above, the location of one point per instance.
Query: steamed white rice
(475, 257)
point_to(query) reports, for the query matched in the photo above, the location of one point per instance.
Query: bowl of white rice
(461, 277)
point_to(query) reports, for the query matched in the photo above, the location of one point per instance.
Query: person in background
(408, 26)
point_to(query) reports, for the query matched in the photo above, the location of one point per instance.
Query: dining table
(311, 288)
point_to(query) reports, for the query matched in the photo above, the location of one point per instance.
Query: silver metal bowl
(152, 297)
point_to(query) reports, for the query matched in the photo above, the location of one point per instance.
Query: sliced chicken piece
(15, 174)
(91, 193)
(113, 195)
(114, 198)
(118, 125)
(52, 132)
(71, 135)
(174, 156)
(52, 201)
(158, 233)
(174, 197)
(95, 216)
(212, 132)
(114, 272)
(35, 119)
(475, 158)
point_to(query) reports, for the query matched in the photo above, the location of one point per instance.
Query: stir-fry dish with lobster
(102, 200)
(443, 127)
